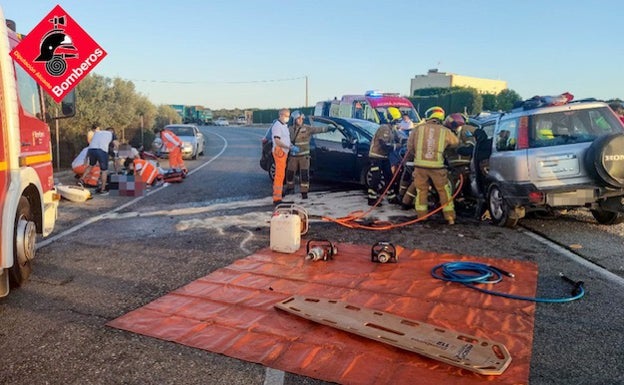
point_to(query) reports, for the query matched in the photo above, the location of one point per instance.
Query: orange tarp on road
(231, 311)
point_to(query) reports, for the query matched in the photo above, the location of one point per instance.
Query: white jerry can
(286, 229)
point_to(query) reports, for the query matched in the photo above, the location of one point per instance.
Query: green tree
(489, 102)
(506, 99)
(120, 108)
(139, 131)
(166, 115)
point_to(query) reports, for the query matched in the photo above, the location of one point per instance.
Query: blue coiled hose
(471, 273)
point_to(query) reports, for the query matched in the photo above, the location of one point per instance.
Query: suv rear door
(507, 163)
(558, 140)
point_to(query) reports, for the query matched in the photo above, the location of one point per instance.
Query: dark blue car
(340, 155)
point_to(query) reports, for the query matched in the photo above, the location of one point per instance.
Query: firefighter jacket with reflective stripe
(428, 141)
(465, 134)
(384, 142)
(145, 170)
(300, 136)
(170, 140)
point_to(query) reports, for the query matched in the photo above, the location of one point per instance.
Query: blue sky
(256, 54)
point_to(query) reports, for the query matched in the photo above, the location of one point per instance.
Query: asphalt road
(112, 255)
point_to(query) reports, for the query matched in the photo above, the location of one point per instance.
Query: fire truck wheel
(24, 237)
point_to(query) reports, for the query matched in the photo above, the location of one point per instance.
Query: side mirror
(68, 106)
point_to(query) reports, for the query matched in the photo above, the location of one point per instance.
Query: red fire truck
(28, 198)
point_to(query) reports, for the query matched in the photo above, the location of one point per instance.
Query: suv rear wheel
(500, 211)
(607, 217)
(605, 160)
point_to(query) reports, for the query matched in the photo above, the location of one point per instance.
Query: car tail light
(536, 197)
(523, 133)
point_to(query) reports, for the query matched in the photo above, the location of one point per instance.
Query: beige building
(435, 79)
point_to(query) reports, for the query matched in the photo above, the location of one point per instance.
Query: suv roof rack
(543, 101)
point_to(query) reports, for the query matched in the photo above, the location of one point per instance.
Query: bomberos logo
(58, 53)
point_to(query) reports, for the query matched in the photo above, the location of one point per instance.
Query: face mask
(285, 119)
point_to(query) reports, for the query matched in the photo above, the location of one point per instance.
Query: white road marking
(609, 276)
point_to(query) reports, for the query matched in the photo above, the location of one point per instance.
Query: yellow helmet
(545, 133)
(393, 114)
(435, 113)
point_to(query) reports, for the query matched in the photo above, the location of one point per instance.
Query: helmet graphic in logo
(54, 45)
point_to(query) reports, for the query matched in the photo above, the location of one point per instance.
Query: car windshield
(382, 113)
(366, 126)
(572, 126)
(182, 131)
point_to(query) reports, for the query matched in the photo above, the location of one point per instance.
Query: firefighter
(281, 147)
(465, 133)
(300, 135)
(400, 136)
(383, 144)
(173, 144)
(428, 144)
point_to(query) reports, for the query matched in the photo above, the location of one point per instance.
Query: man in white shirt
(281, 147)
(406, 123)
(98, 153)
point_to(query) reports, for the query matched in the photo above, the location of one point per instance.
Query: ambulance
(28, 198)
(372, 106)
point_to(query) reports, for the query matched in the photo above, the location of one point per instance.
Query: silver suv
(545, 158)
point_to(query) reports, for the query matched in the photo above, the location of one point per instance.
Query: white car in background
(221, 122)
(193, 142)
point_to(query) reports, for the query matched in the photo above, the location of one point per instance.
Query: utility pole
(142, 140)
(58, 151)
(306, 96)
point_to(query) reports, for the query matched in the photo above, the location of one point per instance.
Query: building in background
(436, 79)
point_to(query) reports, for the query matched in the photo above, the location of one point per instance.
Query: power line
(217, 81)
